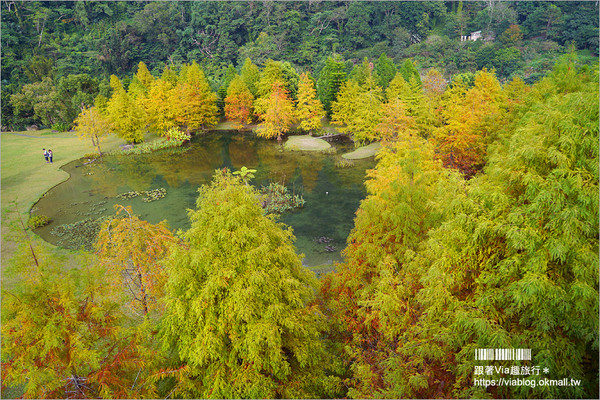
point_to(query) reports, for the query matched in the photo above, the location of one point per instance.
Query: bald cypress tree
(238, 312)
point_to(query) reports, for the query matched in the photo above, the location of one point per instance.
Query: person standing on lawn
(50, 155)
(45, 155)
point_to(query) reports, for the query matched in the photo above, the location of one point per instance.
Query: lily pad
(363, 152)
(306, 143)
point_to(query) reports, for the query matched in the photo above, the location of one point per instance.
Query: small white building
(473, 36)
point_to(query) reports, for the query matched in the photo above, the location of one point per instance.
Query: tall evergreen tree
(250, 75)
(385, 69)
(331, 78)
(160, 105)
(409, 70)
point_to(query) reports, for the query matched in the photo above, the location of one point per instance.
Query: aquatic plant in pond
(277, 199)
(147, 195)
(81, 234)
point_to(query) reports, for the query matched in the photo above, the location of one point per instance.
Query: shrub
(36, 221)
(61, 126)
(177, 135)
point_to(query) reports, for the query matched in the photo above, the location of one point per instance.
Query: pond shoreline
(312, 174)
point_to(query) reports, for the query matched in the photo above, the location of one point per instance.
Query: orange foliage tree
(278, 116)
(132, 251)
(238, 103)
(62, 335)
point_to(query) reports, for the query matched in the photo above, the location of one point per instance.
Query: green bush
(177, 135)
(36, 221)
(61, 126)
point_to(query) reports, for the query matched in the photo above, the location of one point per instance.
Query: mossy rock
(363, 152)
(306, 143)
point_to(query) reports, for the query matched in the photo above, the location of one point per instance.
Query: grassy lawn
(26, 176)
(363, 152)
(306, 143)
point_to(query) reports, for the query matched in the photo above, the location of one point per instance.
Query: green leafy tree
(238, 312)
(357, 109)
(362, 71)
(250, 75)
(38, 101)
(277, 71)
(75, 92)
(385, 69)
(331, 78)
(409, 70)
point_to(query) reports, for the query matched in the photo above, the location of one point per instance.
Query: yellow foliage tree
(470, 115)
(195, 102)
(125, 114)
(132, 251)
(92, 124)
(309, 109)
(160, 109)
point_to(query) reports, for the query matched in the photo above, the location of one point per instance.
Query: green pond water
(332, 194)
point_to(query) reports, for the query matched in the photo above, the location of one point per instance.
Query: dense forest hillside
(69, 49)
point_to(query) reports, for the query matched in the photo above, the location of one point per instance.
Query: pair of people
(48, 155)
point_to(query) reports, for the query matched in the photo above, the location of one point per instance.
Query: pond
(332, 194)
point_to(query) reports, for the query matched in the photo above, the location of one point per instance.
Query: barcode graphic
(502, 354)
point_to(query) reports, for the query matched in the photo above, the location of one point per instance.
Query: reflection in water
(332, 195)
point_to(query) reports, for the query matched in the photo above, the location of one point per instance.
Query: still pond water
(332, 194)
